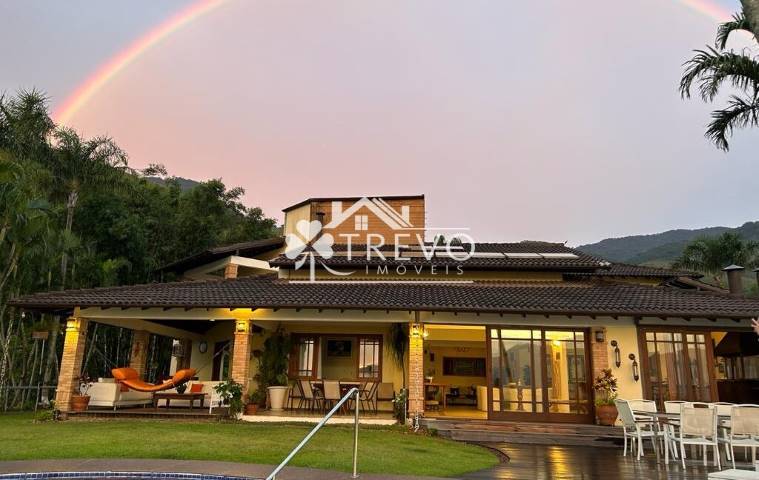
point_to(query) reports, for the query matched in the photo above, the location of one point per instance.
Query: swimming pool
(111, 475)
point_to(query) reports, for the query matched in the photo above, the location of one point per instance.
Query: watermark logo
(406, 252)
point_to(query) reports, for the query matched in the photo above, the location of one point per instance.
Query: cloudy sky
(550, 120)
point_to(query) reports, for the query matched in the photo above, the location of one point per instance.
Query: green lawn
(381, 449)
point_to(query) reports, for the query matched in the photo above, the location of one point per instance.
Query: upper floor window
(362, 222)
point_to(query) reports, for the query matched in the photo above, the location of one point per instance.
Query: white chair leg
(682, 453)
(624, 454)
(666, 450)
(716, 456)
(703, 452)
(640, 446)
(732, 454)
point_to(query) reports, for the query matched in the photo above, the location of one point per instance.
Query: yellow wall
(463, 350)
(626, 334)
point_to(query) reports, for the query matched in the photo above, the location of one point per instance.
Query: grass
(392, 450)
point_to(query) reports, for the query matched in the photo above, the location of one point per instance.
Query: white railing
(353, 392)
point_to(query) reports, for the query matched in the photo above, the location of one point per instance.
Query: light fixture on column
(600, 335)
(418, 330)
(242, 326)
(617, 355)
(72, 324)
(636, 372)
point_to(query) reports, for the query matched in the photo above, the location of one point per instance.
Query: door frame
(545, 416)
(648, 392)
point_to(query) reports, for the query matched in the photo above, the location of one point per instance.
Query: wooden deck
(543, 462)
(472, 430)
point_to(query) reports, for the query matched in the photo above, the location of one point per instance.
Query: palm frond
(709, 69)
(739, 22)
(739, 113)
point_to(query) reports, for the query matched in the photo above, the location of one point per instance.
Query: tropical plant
(397, 346)
(274, 363)
(712, 67)
(230, 393)
(711, 254)
(605, 386)
(257, 397)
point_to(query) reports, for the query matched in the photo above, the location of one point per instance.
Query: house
(503, 331)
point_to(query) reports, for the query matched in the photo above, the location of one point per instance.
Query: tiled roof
(251, 248)
(577, 297)
(487, 256)
(627, 270)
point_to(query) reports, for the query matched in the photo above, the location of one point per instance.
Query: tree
(713, 67)
(711, 254)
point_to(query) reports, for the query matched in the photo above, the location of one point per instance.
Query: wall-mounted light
(418, 330)
(242, 326)
(73, 324)
(636, 372)
(600, 335)
(617, 355)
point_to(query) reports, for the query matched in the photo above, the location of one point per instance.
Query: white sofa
(107, 393)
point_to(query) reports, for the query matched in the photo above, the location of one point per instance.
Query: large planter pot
(607, 414)
(79, 403)
(251, 409)
(277, 397)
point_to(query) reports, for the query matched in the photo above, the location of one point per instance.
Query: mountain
(660, 248)
(184, 183)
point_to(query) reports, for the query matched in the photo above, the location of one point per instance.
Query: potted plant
(256, 398)
(605, 387)
(181, 388)
(230, 393)
(80, 402)
(273, 368)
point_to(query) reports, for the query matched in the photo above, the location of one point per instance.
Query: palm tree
(78, 165)
(711, 254)
(712, 67)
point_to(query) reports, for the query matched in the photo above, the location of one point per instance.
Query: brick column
(415, 372)
(139, 356)
(599, 353)
(71, 362)
(230, 271)
(241, 354)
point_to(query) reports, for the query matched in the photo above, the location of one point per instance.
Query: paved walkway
(187, 466)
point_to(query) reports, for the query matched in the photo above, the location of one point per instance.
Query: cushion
(125, 373)
(196, 388)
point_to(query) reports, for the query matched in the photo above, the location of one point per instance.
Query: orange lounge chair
(129, 377)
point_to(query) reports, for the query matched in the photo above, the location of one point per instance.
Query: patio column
(71, 362)
(230, 271)
(241, 354)
(415, 371)
(599, 353)
(139, 356)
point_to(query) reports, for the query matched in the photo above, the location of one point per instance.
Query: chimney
(734, 279)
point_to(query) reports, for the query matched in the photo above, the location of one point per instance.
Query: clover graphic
(303, 241)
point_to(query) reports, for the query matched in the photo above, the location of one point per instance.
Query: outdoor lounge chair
(129, 377)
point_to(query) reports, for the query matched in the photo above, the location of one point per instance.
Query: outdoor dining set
(694, 424)
(322, 395)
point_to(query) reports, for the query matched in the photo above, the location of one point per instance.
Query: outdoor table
(169, 396)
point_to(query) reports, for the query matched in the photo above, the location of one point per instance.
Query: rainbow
(108, 70)
(709, 8)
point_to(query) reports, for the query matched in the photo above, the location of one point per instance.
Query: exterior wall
(375, 224)
(626, 335)
(203, 362)
(292, 217)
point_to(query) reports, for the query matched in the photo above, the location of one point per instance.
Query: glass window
(305, 356)
(368, 358)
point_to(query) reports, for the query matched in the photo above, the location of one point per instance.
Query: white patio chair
(723, 410)
(698, 426)
(673, 406)
(744, 430)
(634, 427)
(214, 399)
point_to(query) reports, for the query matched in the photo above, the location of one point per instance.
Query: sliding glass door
(539, 374)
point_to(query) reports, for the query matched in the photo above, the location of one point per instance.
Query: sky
(553, 120)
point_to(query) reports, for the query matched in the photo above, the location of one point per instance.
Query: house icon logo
(379, 207)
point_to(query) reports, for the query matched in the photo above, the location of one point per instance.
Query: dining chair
(671, 427)
(331, 393)
(673, 406)
(698, 426)
(635, 428)
(385, 393)
(310, 399)
(295, 393)
(723, 410)
(368, 396)
(744, 430)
